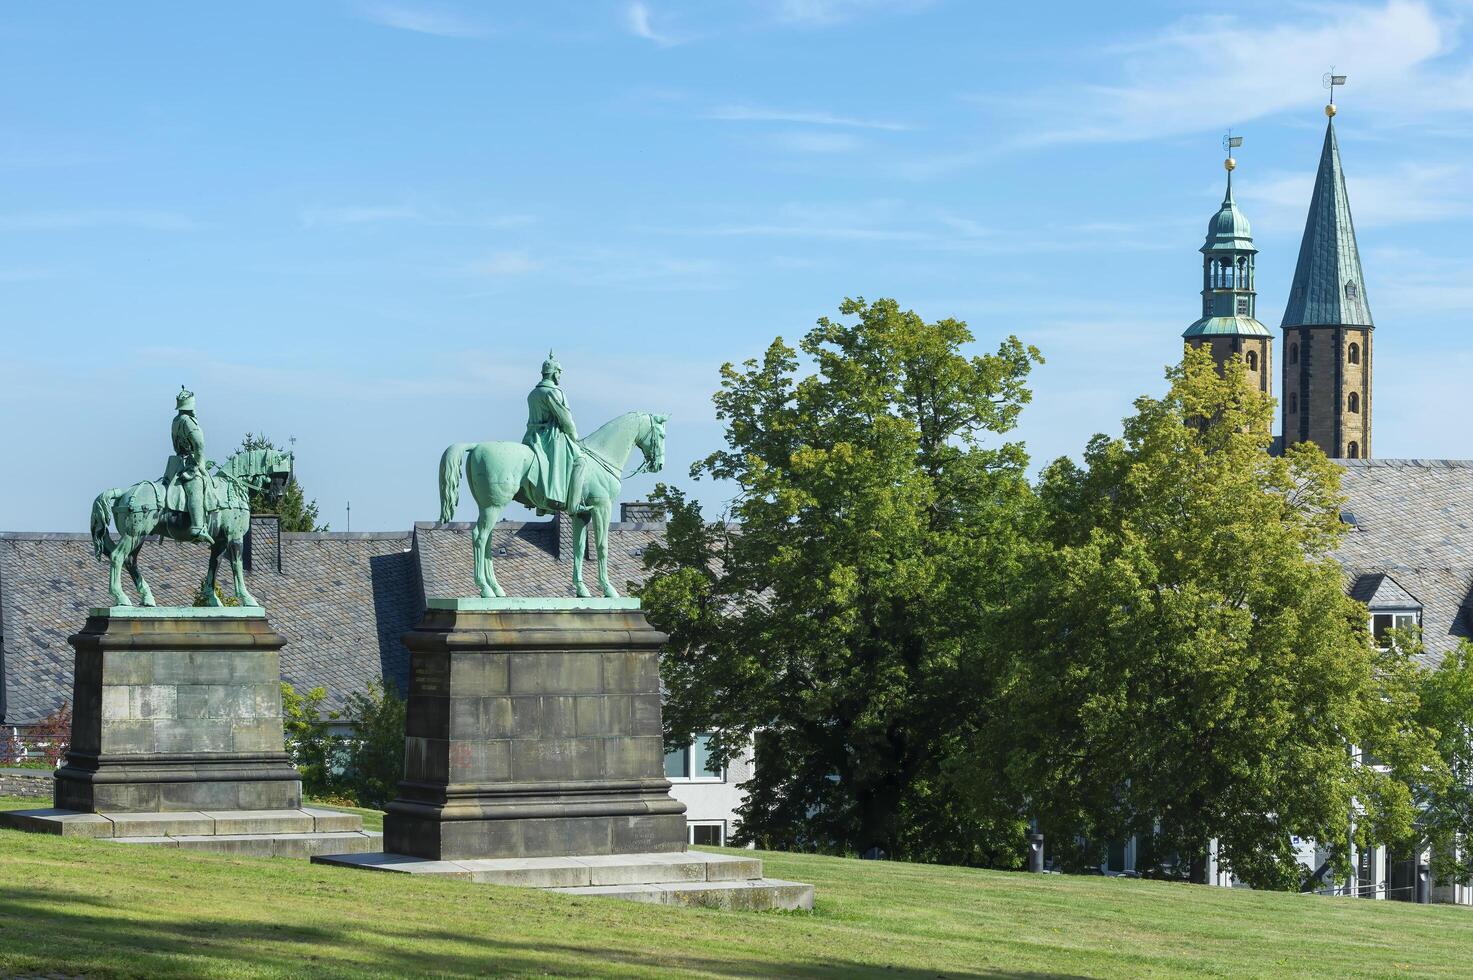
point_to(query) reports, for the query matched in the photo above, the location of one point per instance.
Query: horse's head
(261, 469)
(651, 442)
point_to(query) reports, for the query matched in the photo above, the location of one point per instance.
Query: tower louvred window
(1252, 360)
(1293, 353)
(1353, 355)
(1353, 402)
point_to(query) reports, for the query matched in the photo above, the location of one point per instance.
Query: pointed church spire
(1328, 288)
(1327, 325)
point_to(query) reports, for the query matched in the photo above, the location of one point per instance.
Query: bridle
(646, 434)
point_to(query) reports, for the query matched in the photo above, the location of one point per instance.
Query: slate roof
(1412, 535)
(1328, 288)
(341, 599)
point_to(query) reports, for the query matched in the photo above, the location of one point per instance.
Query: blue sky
(363, 223)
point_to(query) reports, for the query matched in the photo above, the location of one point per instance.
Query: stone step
(757, 894)
(570, 872)
(187, 823)
(305, 845)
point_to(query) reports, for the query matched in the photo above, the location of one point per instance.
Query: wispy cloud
(327, 216)
(438, 21)
(73, 220)
(811, 142)
(25, 273)
(639, 20)
(508, 264)
(825, 13)
(1242, 70)
(745, 113)
(1412, 192)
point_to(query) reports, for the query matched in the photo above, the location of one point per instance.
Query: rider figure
(189, 446)
(553, 438)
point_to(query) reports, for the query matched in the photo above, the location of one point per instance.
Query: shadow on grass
(57, 932)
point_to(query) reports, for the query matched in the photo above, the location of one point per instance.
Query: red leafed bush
(53, 733)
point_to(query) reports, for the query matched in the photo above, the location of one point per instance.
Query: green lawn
(78, 907)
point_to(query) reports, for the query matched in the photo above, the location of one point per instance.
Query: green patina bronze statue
(551, 469)
(190, 503)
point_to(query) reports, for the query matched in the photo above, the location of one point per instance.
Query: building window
(1293, 403)
(1293, 353)
(1383, 623)
(694, 762)
(1243, 306)
(1350, 291)
(1353, 402)
(1352, 451)
(1252, 360)
(707, 834)
(1354, 354)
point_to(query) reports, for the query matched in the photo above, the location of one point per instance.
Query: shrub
(375, 752)
(53, 734)
(308, 741)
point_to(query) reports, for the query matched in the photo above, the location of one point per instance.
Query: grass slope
(78, 907)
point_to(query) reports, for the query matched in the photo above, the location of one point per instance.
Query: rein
(610, 467)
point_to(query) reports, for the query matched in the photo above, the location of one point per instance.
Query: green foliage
(847, 618)
(307, 739)
(289, 504)
(363, 767)
(1445, 711)
(1185, 662)
(201, 598)
(375, 753)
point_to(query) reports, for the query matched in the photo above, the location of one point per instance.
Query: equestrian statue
(551, 469)
(190, 503)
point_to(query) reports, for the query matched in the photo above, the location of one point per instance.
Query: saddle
(174, 487)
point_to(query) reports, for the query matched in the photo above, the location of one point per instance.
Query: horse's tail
(102, 510)
(450, 467)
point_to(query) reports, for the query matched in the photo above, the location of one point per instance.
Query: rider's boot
(194, 497)
(575, 488)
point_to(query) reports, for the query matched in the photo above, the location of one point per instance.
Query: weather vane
(1330, 81)
(1229, 144)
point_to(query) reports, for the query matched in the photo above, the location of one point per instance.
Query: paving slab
(331, 821)
(397, 863)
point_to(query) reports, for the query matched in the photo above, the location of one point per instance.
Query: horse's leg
(237, 569)
(125, 545)
(490, 514)
(601, 512)
(207, 587)
(580, 546)
(479, 533)
(145, 594)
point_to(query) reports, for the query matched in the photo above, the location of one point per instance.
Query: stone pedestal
(177, 709)
(533, 731)
(533, 756)
(177, 739)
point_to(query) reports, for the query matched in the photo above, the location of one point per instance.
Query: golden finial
(1229, 143)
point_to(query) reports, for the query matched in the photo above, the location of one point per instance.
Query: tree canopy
(844, 618)
(1185, 663)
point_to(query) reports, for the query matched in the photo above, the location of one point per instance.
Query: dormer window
(1350, 291)
(1383, 623)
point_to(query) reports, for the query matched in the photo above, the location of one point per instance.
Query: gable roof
(1412, 535)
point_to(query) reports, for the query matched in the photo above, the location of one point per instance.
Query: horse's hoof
(250, 602)
(610, 592)
(583, 593)
(149, 601)
(122, 600)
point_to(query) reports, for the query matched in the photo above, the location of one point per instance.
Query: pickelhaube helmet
(184, 401)
(550, 367)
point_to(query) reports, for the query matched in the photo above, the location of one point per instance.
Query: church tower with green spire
(1228, 325)
(1327, 324)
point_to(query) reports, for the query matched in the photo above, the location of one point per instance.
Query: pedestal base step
(751, 895)
(268, 833)
(689, 878)
(269, 845)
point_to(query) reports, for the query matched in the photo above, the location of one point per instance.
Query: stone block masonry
(177, 710)
(533, 731)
